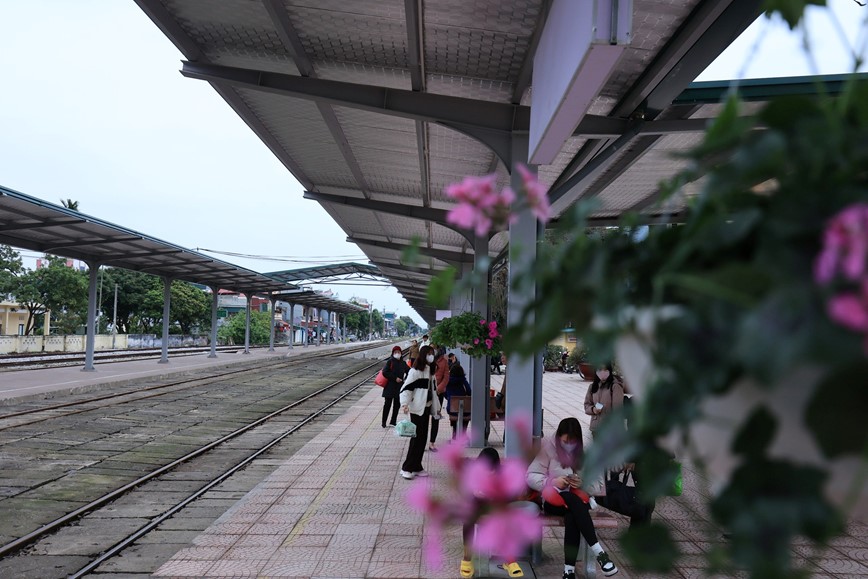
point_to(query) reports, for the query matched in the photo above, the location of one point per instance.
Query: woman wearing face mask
(556, 473)
(394, 371)
(605, 394)
(419, 400)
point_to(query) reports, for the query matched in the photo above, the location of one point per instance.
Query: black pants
(435, 424)
(394, 403)
(416, 448)
(577, 523)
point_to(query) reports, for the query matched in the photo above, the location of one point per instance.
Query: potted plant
(476, 336)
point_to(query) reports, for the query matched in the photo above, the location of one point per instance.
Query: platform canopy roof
(328, 273)
(314, 299)
(30, 223)
(376, 106)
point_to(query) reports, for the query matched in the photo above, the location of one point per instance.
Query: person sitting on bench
(556, 474)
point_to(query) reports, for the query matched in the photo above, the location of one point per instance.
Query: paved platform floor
(336, 509)
(40, 382)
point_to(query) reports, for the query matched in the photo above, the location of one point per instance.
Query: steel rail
(21, 542)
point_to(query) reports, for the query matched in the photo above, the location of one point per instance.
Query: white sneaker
(422, 473)
(408, 475)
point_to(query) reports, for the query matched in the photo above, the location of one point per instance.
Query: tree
(133, 287)
(401, 327)
(56, 287)
(412, 327)
(189, 307)
(377, 321)
(11, 267)
(260, 328)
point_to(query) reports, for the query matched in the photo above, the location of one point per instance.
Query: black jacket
(393, 370)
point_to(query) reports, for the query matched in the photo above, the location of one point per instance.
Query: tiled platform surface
(336, 509)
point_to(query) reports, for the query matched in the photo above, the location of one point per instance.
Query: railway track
(46, 412)
(257, 437)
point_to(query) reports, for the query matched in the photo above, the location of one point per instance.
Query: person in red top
(441, 379)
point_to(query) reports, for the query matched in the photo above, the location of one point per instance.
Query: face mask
(603, 375)
(396, 356)
(570, 446)
(430, 358)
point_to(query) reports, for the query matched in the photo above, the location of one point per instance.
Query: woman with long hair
(605, 395)
(419, 399)
(556, 473)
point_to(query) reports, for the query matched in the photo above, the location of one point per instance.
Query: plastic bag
(405, 428)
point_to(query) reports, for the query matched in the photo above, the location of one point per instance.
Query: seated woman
(457, 386)
(556, 472)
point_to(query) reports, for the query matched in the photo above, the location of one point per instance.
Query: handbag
(406, 429)
(381, 380)
(623, 498)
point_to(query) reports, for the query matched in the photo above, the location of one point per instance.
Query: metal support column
(328, 315)
(479, 366)
(271, 340)
(291, 325)
(215, 295)
(319, 327)
(522, 371)
(305, 316)
(167, 308)
(90, 339)
(249, 297)
(344, 332)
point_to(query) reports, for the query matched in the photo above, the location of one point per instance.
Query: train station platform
(16, 385)
(337, 509)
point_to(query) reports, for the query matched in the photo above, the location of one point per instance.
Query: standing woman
(605, 394)
(394, 371)
(419, 399)
(556, 472)
(441, 379)
(457, 386)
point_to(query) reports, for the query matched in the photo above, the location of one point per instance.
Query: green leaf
(650, 548)
(440, 287)
(836, 413)
(411, 254)
(790, 10)
(756, 433)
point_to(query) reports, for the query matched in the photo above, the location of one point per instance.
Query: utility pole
(371, 321)
(115, 319)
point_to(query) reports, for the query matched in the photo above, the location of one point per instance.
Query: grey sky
(93, 108)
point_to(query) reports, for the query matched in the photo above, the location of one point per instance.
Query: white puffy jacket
(416, 399)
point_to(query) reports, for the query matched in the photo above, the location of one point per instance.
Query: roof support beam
(87, 243)
(4, 227)
(452, 257)
(403, 103)
(413, 211)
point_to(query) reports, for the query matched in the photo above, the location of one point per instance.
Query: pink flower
(537, 198)
(475, 341)
(489, 343)
(492, 325)
(507, 533)
(432, 545)
(845, 245)
(419, 497)
(478, 480)
(850, 311)
(452, 455)
(463, 215)
(493, 334)
(481, 322)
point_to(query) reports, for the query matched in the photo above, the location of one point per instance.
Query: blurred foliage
(739, 273)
